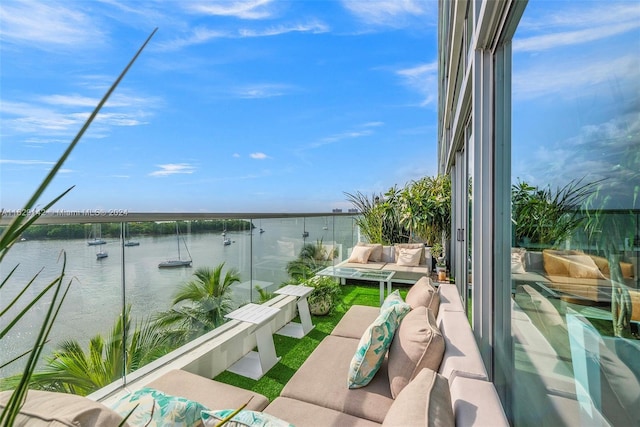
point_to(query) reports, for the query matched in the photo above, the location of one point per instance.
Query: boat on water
(101, 254)
(226, 241)
(173, 263)
(97, 236)
(305, 234)
(128, 241)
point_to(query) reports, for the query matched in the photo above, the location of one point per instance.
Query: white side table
(293, 329)
(255, 364)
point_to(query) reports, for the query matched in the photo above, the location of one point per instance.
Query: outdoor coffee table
(293, 329)
(256, 363)
(381, 276)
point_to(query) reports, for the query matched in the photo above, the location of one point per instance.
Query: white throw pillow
(409, 257)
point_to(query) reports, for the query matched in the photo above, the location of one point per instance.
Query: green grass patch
(294, 352)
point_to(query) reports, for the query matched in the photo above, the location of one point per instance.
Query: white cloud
(313, 27)
(584, 23)
(65, 114)
(236, 155)
(26, 162)
(251, 9)
(46, 24)
(424, 80)
(258, 156)
(261, 91)
(173, 168)
(391, 13)
(570, 38)
(203, 35)
(570, 78)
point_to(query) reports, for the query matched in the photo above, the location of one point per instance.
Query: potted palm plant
(325, 296)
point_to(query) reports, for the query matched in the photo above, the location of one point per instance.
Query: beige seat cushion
(424, 294)
(486, 409)
(461, 354)
(210, 393)
(424, 402)
(450, 299)
(45, 408)
(303, 414)
(417, 344)
(321, 380)
(356, 321)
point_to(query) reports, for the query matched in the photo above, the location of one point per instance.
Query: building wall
(533, 332)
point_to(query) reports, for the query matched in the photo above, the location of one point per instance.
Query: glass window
(575, 211)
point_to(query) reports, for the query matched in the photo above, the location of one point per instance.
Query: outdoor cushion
(360, 254)
(212, 394)
(425, 401)
(486, 409)
(450, 299)
(374, 343)
(392, 299)
(417, 344)
(152, 408)
(376, 253)
(47, 408)
(461, 354)
(321, 381)
(583, 266)
(517, 260)
(303, 414)
(420, 246)
(388, 254)
(409, 257)
(243, 418)
(424, 294)
(355, 321)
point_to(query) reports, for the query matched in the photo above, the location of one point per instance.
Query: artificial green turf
(294, 352)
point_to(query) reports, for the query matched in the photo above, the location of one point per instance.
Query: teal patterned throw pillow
(392, 299)
(243, 418)
(374, 344)
(155, 409)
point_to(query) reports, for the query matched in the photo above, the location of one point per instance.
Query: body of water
(97, 296)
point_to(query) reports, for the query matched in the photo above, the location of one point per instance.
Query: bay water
(96, 297)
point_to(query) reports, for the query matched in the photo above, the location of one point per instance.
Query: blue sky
(282, 106)
(254, 106)
(576, 97)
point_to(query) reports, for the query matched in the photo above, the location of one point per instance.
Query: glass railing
(143, 285)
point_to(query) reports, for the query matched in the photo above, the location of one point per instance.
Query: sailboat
(97, 238)
(226, 241)
(177, 262)
(101, 253)
(128, 241)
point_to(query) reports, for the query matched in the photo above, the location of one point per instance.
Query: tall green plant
(10, 235)
(545, 216)
(425, 209)
(379, 219)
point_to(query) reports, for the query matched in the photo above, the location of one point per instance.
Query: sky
(234, 106)
(283, 106)
(576, 98)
